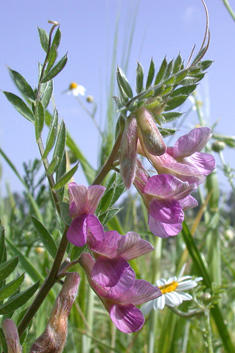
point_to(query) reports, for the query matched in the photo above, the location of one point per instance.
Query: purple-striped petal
(204, 162)
(166, 211)
(95, 230)
(127, 318)
(77, 234)
(77, 199)
(132, 246)
(163, 230)
(192, 142)
(94, 194)
(188, 202)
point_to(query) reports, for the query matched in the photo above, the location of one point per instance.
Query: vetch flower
(114, 245)
(113, 280)
(76, 90)
(83, 202)
(173, 292)
(165, 197)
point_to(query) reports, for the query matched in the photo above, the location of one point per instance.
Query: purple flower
(83, 202)
(185, 160)
(165, 197)
(113, 280)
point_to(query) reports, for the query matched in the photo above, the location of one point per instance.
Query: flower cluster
(108, 272)
(180, 170)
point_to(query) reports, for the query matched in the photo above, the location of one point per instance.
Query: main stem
(47, 285)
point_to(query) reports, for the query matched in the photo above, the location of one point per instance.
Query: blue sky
(163, 27)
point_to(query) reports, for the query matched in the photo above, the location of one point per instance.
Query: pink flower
(165, 197)
(83, 202)
(114, 282)
(185, 160)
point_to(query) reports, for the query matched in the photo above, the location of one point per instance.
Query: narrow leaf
(177, 64)
(161, 72)
(51, 138)
(105, 218)
(60, 142)
(55, 70)
(45, 236)
(175, 102)
(64, 212)
(11, 287)
(183, 90)
(47, 93)
(53, 166)
(53, 50)
(39, 120)
(65, 178)
(22, 85)
(122, 80)
(2, 244)
(44, 39)
(6, 268)
(139, 77)
(150, 74)
(171, 116)
(18, 300)
(20, 106)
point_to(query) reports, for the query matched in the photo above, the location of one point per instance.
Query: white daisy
(76, 89)
(172, 292)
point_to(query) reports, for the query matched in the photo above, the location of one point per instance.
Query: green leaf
(20, 106)
(39, 120)
(51, 138)
(161, 72)
(18, 300)
(11, 287)
(139, 77)
(6, 268)
(106, 217)
(123, 82)
(44, 39)
(167, 132)
(150, 74)
(2, 244)
(205, 64)
(64, 212)
(53, 50)
(55, 70)
(25, 263)
(168, 117)
(175, 102)
(183, 90)
(53, 166)
(22, 85)
(168, 70)
(177, 64)
(66, 177)
(76, 252)
(60, 143)
(47, 93)
(45, 237)
(180, 76)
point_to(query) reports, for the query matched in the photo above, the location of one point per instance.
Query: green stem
(110, 161)
(47, 285)
(208, 332)
(230, 10)
(186, 315)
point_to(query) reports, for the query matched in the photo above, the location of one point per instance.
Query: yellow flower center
(73, 85)
(170, 287)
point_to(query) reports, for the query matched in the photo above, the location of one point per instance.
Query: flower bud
(12, 337)
(53, 338)
(218, 146)
(148, 133)
(90, 99)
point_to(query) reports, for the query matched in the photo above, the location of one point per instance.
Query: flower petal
(163, 230)
(166, 211)
(95, 230)
(132, 246)
(204, 162)
(94, 194)
(192, 142)
(127, 318)
(77, 199)
(160, 303)
(188, 202)
(77, 234)
(147, 307)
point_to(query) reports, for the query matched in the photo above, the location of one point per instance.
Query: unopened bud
(12, 337)
(90, 99)
(205, 298)
(148, 133)
(218, 146)
(53, 338)
(229, 234)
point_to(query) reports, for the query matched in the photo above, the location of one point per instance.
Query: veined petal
(110, 272)
(204, 162)
(132, 246)
(143, 291)
(108, 246)
(93, 196)
(128, 157)
(77, 234)
(95, 230)
(163, 230)
(192, 142)
(188, 202)
(127, 318)
(166, 211)
(77, 199)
